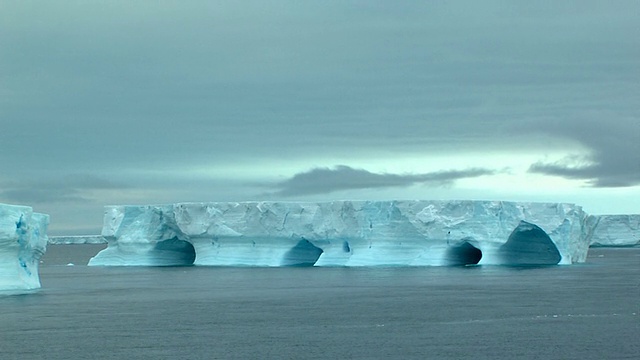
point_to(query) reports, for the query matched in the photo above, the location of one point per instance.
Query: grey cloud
(29, 195)
(341, 177)
(67, 189)
(142, 92)
(130, 84)
(614, 143)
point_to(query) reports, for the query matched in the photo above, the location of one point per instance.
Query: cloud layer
(176, 99)
(614, 158)
(341, 177)
(69, 189)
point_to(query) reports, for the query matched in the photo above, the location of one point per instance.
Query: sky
(148, 102)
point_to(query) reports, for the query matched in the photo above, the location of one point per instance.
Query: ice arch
(528, 244)
(302, 255)
(462, 254)
(174, 252)
(170, 252)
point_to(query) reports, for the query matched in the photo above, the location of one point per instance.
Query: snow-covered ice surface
(23, 241)
(345, 233)
(614, 230)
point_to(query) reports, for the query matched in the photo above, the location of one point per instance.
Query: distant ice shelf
(77, 240)
(23, 241)
(345, 233)
(614, 230)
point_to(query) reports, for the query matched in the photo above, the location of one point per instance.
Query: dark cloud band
(614, 158)
(341, 177)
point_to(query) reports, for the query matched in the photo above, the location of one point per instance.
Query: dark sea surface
(583, 311)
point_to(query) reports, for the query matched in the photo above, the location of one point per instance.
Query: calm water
(587, 311)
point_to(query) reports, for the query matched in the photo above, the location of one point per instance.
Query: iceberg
(344, 233)
(23, 241)
(614, 230)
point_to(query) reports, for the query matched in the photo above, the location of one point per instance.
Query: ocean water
(583, 311)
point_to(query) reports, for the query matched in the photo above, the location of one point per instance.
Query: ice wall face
(339, 233)
(614, 230)
(23, 241)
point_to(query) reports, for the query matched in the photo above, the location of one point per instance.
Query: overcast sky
(145, 102)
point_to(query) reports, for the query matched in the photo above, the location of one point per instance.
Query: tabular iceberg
(614, 230)
(23, 241)
(344, 233)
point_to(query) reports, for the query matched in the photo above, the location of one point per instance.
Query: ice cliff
(344, 233)
(23, 241)
(614, 230)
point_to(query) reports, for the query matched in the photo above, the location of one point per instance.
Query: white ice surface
(23, 240)
(343, 233)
